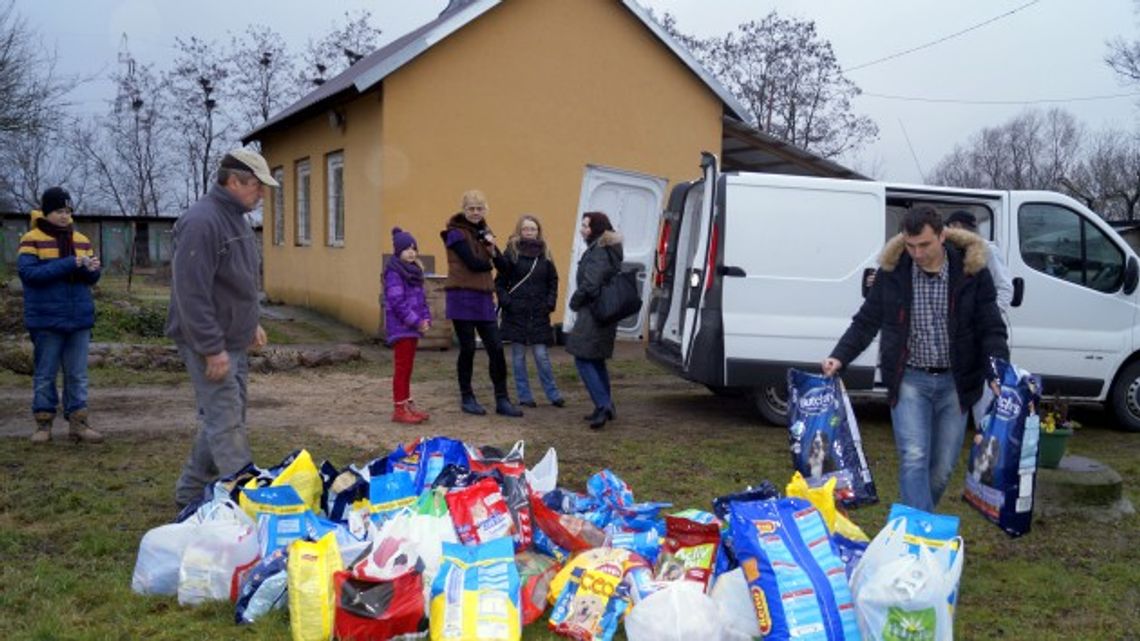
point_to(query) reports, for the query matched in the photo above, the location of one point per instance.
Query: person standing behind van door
(591, 342)
(471, 256)
(933, 300)
(1003, 283)
(527, 289)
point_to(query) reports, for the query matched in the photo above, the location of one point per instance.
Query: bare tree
(1108, 178)
(338, 49)
(789, 80)
(198, 78)
(1123, 57)
(262, 76)
(1031, 151)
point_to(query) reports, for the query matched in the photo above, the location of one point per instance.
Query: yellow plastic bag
(310, 571)
(822, 497)
(302, 475)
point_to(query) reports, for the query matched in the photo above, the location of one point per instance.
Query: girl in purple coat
(406, 318)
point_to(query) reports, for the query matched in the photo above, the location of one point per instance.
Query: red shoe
(402, 414)
(411, 405)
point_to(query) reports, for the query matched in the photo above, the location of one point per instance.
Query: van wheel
(771, 402)
(1126, 398)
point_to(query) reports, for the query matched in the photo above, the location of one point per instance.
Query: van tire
(1126, 398)
(771, 402)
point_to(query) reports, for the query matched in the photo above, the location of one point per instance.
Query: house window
(334, 183)
(279, 206)
(304, 231)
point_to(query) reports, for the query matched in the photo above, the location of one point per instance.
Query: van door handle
(726, 270)
(868, 280)
(1018, 292)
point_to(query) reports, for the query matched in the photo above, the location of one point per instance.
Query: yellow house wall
(516, 103)
(341, 281)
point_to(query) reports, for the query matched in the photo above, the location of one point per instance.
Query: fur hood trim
(609, 238)
(972, 246)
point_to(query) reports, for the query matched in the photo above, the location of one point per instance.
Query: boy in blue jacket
(57, 268)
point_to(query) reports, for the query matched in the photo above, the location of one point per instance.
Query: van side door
(1074, 324)
(795, 251)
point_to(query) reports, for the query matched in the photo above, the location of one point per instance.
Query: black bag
(618, 298)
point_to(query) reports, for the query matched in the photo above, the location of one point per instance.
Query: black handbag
(618, 298)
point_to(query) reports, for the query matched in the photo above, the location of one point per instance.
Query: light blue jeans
(50, 351)
(541, 363)
(929, 427)
(221, 447)
(596, 378)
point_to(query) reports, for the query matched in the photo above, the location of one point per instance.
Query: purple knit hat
(402, 240)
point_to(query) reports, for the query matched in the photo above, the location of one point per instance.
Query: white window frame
(279, 207)
(303, 235)
(334, 203)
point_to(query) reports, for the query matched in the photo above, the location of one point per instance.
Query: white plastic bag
(737, 612)
(899, 593)
(680, 611)
(543, 477)
(161, 548)
(208, 564)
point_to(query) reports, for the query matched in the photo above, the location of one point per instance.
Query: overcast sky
(1051, 50)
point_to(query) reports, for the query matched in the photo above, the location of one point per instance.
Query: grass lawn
(71, 519)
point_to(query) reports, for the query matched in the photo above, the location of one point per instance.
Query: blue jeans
(51, 350)
(596, 378)
(929, 426)
(541, 363)
(221, 447)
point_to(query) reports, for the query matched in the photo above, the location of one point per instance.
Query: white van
(756, 273)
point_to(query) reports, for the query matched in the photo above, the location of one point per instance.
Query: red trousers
(404, 355)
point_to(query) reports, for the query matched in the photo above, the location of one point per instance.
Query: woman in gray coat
(590, 342)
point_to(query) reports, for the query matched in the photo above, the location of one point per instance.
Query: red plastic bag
(536, 571)
(479, 512)
(568, 531)
(369, 610)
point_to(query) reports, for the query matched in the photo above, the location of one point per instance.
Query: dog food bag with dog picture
(824, 437)
(1003, 458)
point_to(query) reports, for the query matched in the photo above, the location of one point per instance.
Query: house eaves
(379, 64)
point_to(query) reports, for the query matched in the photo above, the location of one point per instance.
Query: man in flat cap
(213, 316)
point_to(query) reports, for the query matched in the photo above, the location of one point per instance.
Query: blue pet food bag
(1003, 459)
(796, 579)
(824, 437)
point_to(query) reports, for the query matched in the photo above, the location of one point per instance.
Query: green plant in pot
(1056, 428)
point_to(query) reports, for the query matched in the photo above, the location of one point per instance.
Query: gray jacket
(588, 338)
(213, 286)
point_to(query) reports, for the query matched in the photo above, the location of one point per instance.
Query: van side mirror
(1018, 292)
(1131, 275)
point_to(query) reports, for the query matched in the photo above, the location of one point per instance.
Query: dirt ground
(354, 407)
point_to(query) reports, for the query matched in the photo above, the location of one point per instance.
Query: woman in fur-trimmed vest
(590, 341)
(471, 256)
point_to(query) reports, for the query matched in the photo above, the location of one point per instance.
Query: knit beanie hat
(55, 198)
(402, 240)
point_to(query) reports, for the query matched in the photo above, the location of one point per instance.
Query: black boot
(472, 406)
(503, 406)
(598, 418)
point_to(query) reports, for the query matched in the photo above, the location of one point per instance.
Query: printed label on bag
(904, 625)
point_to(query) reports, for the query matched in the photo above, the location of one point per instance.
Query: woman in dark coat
(590, 342)
(527, 289)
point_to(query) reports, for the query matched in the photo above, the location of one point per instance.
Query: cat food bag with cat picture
(824, 438)
(1003, 457)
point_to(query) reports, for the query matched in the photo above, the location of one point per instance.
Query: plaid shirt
(928, 344)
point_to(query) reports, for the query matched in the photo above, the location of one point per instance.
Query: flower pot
(1051, 447)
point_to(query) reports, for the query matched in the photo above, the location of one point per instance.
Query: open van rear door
(633, 203)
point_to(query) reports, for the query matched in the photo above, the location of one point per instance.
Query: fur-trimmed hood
(609, 238)
(972, 246)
